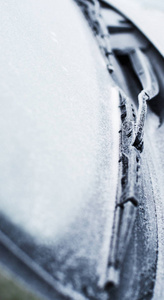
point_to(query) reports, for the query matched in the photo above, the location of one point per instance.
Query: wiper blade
(93, 14)
(128, 194)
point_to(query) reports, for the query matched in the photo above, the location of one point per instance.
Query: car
(81, 151)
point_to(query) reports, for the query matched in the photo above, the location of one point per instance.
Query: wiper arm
(148, 80)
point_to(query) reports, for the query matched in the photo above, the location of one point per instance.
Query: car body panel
(148, 16)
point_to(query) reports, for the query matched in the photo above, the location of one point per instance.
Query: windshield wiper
(131, 135)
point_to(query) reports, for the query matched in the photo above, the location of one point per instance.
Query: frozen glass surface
(59, 125)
